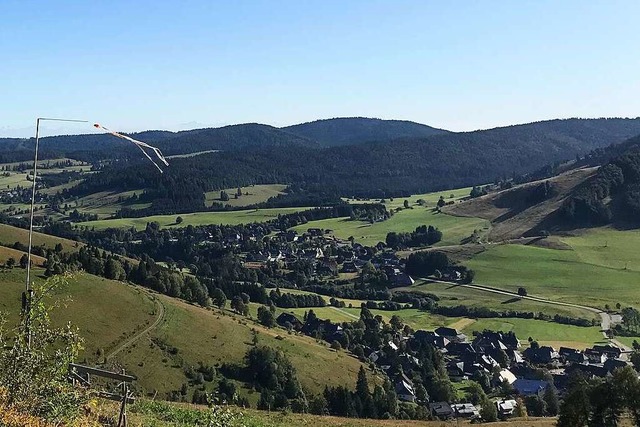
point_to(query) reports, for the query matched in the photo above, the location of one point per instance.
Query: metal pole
(28, 294)
(28, 291)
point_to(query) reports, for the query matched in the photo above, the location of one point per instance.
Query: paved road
(139, 335)
(605, 318)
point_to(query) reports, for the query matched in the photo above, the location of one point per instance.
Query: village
(508, 371)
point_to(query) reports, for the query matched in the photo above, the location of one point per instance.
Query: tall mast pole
(27, 296)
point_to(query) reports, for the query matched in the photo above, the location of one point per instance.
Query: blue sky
(460, 65)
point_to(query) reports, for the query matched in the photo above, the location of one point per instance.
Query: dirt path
(353, 316)
(139, 335)
(605, 318)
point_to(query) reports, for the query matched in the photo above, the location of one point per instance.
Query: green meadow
(250, 195)
(546, 333)
(431, 199)
(454, 295)
(600, 266)
(454, 229)
(197, 218)
(106, 311)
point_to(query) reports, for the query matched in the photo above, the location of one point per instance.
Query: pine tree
(551, 400)
(575, 408)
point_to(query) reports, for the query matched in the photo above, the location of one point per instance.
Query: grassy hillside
(6, 253)
(511, 212)
(109, 313)
(106, 203)
(215, 337)
(105, 311)
(198, 218)
(9, 235)
(430, 199)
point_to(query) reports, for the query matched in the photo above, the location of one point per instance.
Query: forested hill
(613, 194)
(236, 137)
(357, 130)
(546, 141)
(101, 146)
(381, 169)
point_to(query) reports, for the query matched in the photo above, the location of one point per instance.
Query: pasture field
(431, 199)
(6, 253)
(61, 187)
(108, 313)
(43, 163)
(257, 194)
(546, 333)
(198, 218)
(106, 203)
(454, 229)
(15, 179)
(105, 311)
(601, 267)
(453, 295)
(9, 235)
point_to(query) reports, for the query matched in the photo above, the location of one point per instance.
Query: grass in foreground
(146, 413)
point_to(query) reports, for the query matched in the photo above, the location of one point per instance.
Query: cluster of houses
(329, 255)
(19, 195)
(499, 355)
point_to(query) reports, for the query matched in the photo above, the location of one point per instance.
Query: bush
(33, 378)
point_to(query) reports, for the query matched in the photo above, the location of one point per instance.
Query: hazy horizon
(84, 129)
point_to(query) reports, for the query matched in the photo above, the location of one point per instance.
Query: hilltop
(358, 130)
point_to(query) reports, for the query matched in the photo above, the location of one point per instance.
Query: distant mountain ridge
(358, 130)
(367, 152)
(399, 167)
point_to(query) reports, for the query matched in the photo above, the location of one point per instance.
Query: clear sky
(459, 65)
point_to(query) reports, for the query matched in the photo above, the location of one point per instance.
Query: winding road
(139, 335)
(606, 320)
